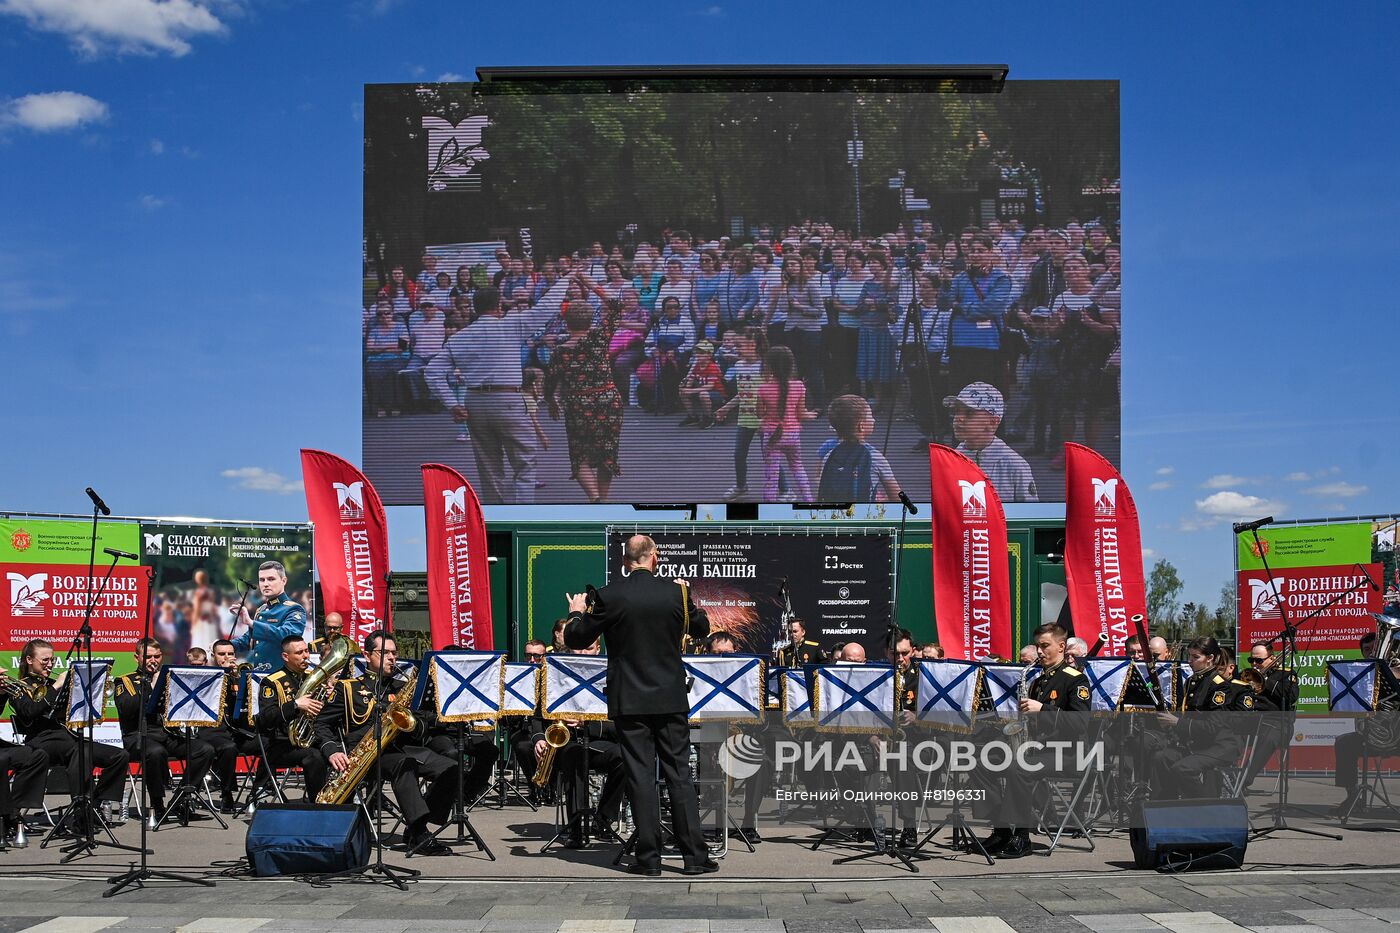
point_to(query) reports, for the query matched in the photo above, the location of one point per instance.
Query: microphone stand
(134, 875)
(83, 812)
(388, 874)
(1288, 649)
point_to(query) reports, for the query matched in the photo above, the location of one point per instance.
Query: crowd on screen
(1015, 329)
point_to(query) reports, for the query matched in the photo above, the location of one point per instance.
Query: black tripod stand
(466, 832)
(134, 875)
(1288, 650)
(917, 371)
(377, 872)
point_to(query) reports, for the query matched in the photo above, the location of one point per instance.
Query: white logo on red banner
(454, 505)
(26, 593)
(350, 498)
(1264, 599)
(1105, 497)
(974, 498)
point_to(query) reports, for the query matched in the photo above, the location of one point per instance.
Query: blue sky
(179, 247)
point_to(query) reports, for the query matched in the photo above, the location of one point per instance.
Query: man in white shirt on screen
(486, 354)
(977, 412)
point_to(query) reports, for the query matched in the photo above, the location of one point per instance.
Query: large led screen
(665, 295)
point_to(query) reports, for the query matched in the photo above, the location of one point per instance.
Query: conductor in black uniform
(644, 619)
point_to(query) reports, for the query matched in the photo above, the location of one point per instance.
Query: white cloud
(1166, 470)
(713, 10)
(51, 112)
(260, 480)
(1148, 552)
(1228, 505)
(1159, 486)
(152, 203)
(144, 27)
(1340, 489)
(1302, 476)
(157, 147)
(450, 77)
(1225, 481)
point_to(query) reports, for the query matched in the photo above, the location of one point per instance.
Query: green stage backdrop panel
(545, 560)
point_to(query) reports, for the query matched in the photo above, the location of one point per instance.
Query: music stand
(1357, 687)
(728, 690)
(466, 688)
(86, 703)
(858, 698)
(519, 688)
(573, 687)
(950, 694)
(188, 698)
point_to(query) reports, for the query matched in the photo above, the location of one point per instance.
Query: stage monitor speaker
(296, 839)
(1175, 835)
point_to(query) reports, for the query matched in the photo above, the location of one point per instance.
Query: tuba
(1381, 729)
(397, 718)
(317, 685)
(555, 737)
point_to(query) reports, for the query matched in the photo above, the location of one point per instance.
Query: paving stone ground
(1291, 883)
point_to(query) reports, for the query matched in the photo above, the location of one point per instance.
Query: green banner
(62, 541)
(1306, 546)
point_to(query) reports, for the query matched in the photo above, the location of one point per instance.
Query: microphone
(1367, 574)
(115, 553)
(904, 501)
(97, 501)
(782, 588)
(1241, 527)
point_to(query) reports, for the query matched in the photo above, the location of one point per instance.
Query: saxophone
(397, 718)
(555, 737)
(1015, 732)
(317, 685)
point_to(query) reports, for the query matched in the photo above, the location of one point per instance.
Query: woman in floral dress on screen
(580, 374)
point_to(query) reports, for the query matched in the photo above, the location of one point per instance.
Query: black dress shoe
(1017, 846)
(426, 845)
(604, 832)
(747, 834)
(908, 837)
(996, 841)
(575, 840)
(701, 868)
(647, 870)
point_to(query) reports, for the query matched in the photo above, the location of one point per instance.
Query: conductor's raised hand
(578, 602)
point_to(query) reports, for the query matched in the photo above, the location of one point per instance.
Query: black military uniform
(31, 768)
(478, 746)
(39, 709)
(350, 715)
(232, 739)
(809, 652)
(276, 711)
(1062, 689)
(1204, 745)
(162, 744)
(604, 756)
(1276, 701)
(644, 618)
